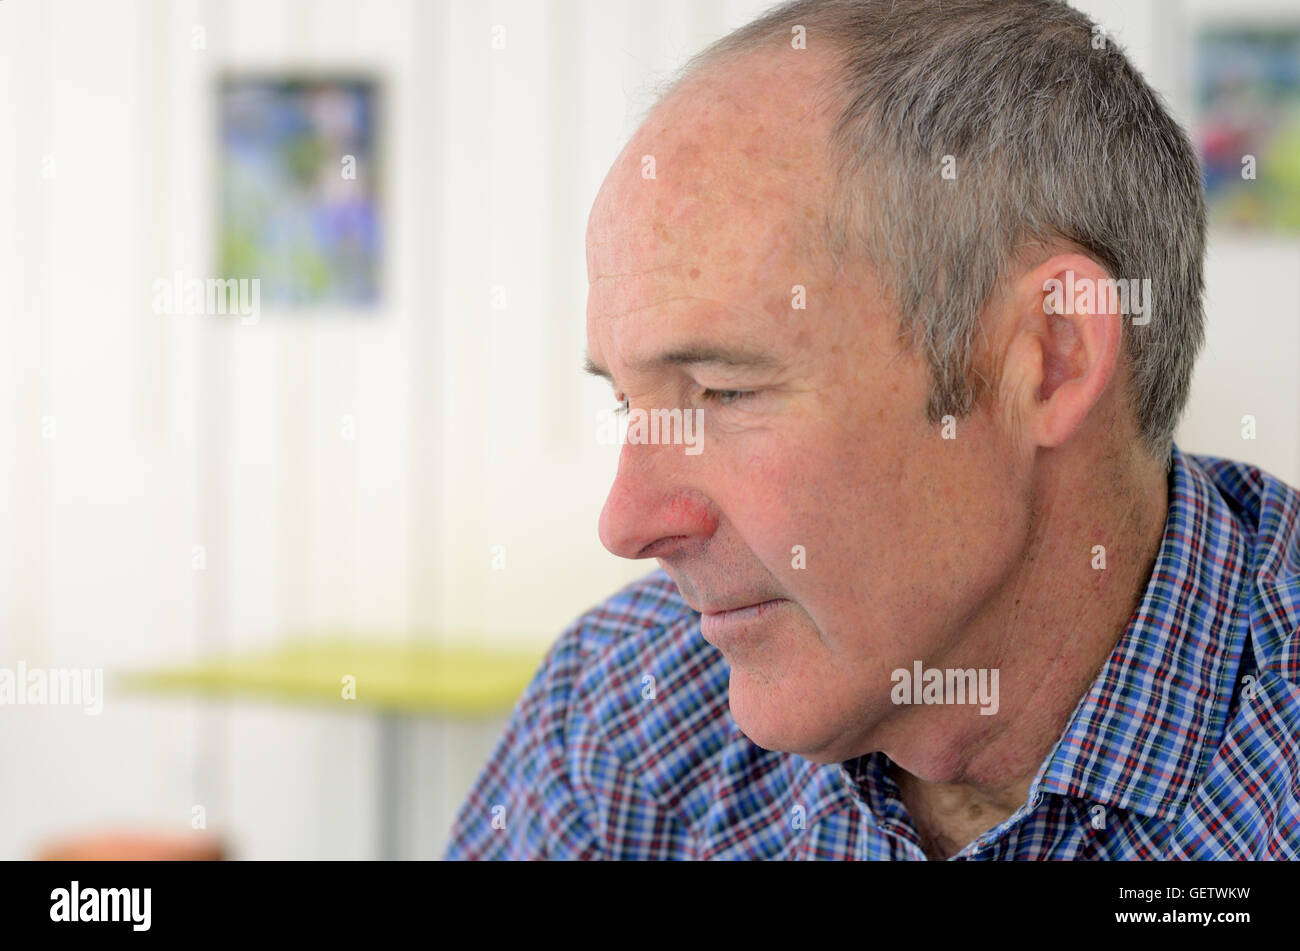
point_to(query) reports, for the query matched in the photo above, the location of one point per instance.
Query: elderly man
(938, 584)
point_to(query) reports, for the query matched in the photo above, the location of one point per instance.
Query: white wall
(473, 425)
(1251, 361)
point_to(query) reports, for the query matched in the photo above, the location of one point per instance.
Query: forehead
(725, 183)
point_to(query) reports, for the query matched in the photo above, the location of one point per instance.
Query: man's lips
(723, 622)
(741, 609)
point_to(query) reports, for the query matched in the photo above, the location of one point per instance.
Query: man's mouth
(719, 612)
(728, 620)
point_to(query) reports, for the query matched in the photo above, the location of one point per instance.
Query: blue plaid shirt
(1185, 747)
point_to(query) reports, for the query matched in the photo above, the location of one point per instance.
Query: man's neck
(1048, 632)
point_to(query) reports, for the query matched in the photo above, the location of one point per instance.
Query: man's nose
(650, 512)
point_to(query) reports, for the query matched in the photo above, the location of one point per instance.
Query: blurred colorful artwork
(1248, 105)
(299, 195)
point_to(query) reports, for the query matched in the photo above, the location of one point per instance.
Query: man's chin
(781, 724)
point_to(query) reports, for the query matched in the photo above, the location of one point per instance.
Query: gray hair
(1055, 138)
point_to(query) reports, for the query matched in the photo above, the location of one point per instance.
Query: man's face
(822, 492)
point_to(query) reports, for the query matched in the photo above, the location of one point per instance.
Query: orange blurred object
(138, 846)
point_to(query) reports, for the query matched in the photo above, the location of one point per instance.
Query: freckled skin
(917, 547)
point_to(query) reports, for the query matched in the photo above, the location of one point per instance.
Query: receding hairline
(826, 79)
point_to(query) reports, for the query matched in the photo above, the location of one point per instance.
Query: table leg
(390, 813)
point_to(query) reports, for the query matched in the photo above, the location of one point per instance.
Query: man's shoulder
(649, 611)
(1267, 512)
(645, 629)
(611, 749)
(1262, 739)
(640, 683)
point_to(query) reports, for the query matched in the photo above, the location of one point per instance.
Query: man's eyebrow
(695, 355)
(591, 366)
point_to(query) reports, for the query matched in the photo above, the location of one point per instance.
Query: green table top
(394, 676)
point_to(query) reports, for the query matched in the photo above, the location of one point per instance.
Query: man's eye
(725, 397)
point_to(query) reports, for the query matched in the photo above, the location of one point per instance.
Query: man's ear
(1060, 348)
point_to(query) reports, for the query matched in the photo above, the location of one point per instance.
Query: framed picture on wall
(1247, 95)
(298, 189)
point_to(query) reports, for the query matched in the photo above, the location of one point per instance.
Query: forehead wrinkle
(638, 273)
(729, 305)
(658, 303)
(722, 240)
